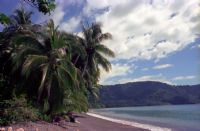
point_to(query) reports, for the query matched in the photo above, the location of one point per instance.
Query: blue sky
(155, 40)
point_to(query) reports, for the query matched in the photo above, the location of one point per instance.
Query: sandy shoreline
(89, 122)
(93, 123)
(131, 123)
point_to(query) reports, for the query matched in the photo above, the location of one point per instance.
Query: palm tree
(58, 69)
(52, 60)
(20, 24)
(95, 54)
(21, 17)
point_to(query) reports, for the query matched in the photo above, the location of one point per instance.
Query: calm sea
(176, 117)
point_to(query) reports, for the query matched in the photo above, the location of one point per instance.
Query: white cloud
(118, 70)
(195, 46)
(94, 5)
(148, 31)
(157, 67)
(59, 14)
(184, 78)
(141, 31)
(158, 77)
(70, 25)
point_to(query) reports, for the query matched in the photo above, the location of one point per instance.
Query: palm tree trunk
(85, 67)
(76, 60)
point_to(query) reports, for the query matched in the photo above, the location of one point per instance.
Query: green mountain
(146, 94)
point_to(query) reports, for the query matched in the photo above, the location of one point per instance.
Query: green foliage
(44, 6)
(21, 17)
(53, 63)
(76, 101)
(55, 70)
(95, 54)
(4, 20)
(17, 110)
(146, 94)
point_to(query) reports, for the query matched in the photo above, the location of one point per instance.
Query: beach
(85, 123)
(90, 123)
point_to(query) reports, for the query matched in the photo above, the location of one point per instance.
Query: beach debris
(57, 119)
(9, 128)
(2, 129)
(76, 121)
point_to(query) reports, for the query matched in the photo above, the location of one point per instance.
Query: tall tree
(52, 60)
(21, 17)
(95, 54)
(20, 24)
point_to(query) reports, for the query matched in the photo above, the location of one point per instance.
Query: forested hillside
(147, 93)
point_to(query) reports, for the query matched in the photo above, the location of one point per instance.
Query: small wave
(130, 123)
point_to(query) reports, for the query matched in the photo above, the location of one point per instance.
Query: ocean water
(175, 117)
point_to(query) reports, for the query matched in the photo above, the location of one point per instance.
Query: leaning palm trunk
(85, 67)
(76, 59)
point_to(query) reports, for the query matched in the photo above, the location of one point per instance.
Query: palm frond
(44, 78)
(103, 37)
(20, 54)
(21, 16)
(33, 62)
(104, 50)
(70, 71)
(27, 41)
(103, 62)
(96, 30)
(65, 80)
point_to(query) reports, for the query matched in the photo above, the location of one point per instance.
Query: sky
(154, 40)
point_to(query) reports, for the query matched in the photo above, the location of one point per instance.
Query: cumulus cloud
(163, 66)
(145, 30)
(58, 15)
(184, 78)
(141, 29)
(71, 24)
(118, 70)
(93, 5)
(158, 77)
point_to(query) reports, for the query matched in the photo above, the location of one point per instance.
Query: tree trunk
(85, 67)
(76, 60)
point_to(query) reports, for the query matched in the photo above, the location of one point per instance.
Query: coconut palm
(95, 54)
(20, 24)
(50, 58)
(21, 17)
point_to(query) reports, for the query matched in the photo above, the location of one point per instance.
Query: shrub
(17, 110)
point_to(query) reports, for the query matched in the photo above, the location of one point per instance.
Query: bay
(176, 117)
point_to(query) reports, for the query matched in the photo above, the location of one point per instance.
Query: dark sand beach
(89, 123)
(86, 123)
